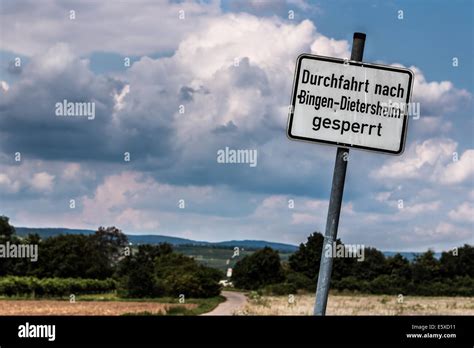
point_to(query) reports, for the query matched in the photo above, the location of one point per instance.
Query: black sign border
(350, 62)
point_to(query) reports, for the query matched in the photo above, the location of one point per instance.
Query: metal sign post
(348, 104)
(335, 201)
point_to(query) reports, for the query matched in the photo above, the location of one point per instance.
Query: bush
(300, 281)
(386, 284)
(307, 258)
(458, 286)
(32, 286)
(258, 270)
(462, 286)
(280, 289)
(350, 284)
(178, 274)
(157, 271)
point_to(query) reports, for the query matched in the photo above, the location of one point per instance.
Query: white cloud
(151, 26)
(71, 171)
(272, 207)
(9, 185)
(249, 101)
(383, 196)
(410, 166)
(463, 213)
(4, 87)
(325, 46)
(117, 191)
(441, 232)
(460, 170)
(305, 219)
(132, 199)
(421, 208)
(119, 98)
(252, 97)
(42, 181)
(432, 125)
(270, 43)
(431, 160)
(137, 219)
(437, 96)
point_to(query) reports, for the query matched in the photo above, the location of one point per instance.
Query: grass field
(360, 305)
(107, 304)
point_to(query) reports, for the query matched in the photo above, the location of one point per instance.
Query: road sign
(350, 104)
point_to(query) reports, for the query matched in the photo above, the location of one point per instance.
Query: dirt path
(234, 302)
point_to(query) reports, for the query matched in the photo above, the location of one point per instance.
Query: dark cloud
(13, 68)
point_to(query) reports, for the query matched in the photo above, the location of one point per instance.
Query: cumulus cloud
(325, 46)
(8, 184)
(4, 87)
(133, 198)
(437, 97)
(418, 157)
(459, 170)
(231, 74)
(33, 128)
(99, 26)
(463, 213)
(434, 159)
(42, 181)
(422, 207)
(139, 111)
(71, 171)
(429, 125)
(235, 75)
(443, 231)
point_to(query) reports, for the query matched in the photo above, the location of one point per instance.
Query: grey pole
(335, 201)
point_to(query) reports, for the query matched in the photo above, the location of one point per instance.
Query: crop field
(107, 304)
(360, 305)
(217, 257)
(52, 307)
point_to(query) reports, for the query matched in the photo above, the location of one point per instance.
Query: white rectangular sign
(350, 104)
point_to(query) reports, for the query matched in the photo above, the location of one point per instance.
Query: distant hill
(257, 244)
(156, 239)
(409, 255)
(49, 232)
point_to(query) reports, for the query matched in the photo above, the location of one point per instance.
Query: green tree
(105, 247)
(80, 256)
(155, 270)
(25, 266)
(399, 266)
(459, 262)
(425, 267)
(7, 234)
(258, 269)
(6, 230)
(137, 271)
(374, 264)
(307, 258)
(63, 256)
(178, 274)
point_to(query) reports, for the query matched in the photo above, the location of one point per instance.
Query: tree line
(106, 261)
(75, 263)
(450, 275)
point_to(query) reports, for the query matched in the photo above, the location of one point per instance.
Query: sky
(206, 75)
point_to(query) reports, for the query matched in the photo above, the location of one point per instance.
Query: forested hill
(157, 239)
